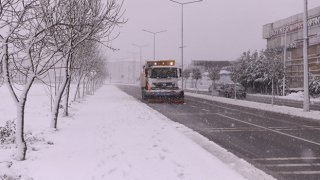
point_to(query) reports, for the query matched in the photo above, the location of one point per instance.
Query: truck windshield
(164, 73)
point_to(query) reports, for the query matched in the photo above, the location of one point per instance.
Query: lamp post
(154, 41)
(306, 103)
(284, 64)
(182, 32)
(140, 53)
(133, 64)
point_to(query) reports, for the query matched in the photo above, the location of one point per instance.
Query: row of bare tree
(39, 37)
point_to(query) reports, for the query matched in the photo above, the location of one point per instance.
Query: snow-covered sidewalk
(114, 136)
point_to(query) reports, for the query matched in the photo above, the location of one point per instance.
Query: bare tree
(21, 55)
(41, 35)
(86, 20)
(186, 75)
(196, 74)
(214, 75)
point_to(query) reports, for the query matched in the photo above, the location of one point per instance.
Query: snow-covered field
(113, 136)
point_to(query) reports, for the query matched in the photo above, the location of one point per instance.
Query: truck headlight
(175, 85)
(152, 85)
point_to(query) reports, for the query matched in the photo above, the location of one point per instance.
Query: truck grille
(164, 85)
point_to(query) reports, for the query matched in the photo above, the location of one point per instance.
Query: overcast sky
(213, 29)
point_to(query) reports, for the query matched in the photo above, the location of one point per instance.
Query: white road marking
(283, 159)
(288, 127)
(271, 130)
(290, 165)
(193, 106)
(297, 172)
(205, 110)
(235, 129)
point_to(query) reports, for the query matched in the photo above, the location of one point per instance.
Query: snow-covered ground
(113, 136)
(299, 96)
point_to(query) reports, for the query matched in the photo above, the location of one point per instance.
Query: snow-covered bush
(257, 71)
(314, 87)
(7, 132)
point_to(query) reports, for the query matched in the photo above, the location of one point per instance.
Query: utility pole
(306, 102)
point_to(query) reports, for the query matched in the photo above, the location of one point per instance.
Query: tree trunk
(272, 93)
(66, 105)
(78, 89)
(212, 87)
(22, 146)
(55, 112)
(88, 86)
(19, 102)
(84, 87)
(58, 96)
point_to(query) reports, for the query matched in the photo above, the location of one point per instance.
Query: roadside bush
(314, 87)
(7, 132)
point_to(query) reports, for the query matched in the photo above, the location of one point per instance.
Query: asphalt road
(276, 101)
(283, 146)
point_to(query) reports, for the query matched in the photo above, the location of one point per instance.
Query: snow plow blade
(166, 100)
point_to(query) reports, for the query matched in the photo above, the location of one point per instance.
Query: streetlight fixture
(140, 52)
(182, 32)
(154, 41)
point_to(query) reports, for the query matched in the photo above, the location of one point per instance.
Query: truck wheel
(143, 96)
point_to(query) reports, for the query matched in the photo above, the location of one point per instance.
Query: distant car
(217, 87)
(228, 90)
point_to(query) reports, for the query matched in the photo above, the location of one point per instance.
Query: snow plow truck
(160, 82)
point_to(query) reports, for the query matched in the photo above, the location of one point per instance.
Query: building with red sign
(288, 34)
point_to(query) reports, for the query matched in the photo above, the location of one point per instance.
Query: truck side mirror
(180, 72)
(146, 72)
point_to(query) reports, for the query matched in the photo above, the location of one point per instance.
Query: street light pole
(284, 63)
(182, 33)
(306, 104)
(154, 41)
(140, 53)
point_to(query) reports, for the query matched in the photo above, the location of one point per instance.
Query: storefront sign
(297, 45)
(314, 40)
(295, 26)
(300, 44)
(291, 46)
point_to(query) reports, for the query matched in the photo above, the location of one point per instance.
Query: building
(124, 71)
(204, 65)
(290, 31)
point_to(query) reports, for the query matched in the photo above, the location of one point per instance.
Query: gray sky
(213, 29)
